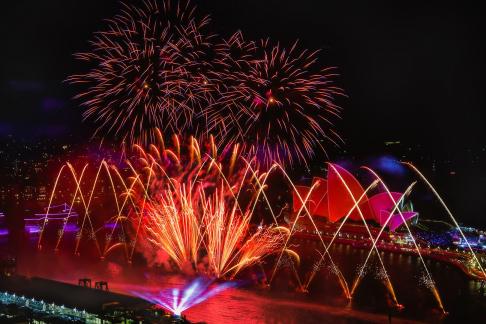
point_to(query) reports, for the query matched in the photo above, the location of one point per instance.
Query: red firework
(154, 68)
(146, 71)
(234, 58)
(277, 102)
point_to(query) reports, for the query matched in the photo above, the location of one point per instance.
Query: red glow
(335, 197)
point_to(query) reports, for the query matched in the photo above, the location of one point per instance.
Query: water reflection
(281, 304)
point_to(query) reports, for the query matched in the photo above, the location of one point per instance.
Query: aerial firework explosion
(197, 208)
(156, 67)
(234, 57)
(146, 71)
(276, 101)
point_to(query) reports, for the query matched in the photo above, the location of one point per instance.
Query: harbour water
(324, 302)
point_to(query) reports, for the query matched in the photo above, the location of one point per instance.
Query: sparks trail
(480, 270)
(146, 71)
(193, 204)
(156, 67)
(351, 199)
(234, 58)
(277, 102)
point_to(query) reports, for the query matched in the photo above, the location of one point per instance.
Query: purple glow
(111, 225)
(50, 104)
(32, 229)
(381, 204)
(5, 129)
(71, 228)
(178, 300)
(389, 165)
(396, 220)
(73, 214)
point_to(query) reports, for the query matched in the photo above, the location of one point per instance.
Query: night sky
(414, 71)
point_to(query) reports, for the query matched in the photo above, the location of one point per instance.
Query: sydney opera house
(341, 195)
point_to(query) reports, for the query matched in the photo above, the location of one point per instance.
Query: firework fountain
(198, 207)
(189, 204)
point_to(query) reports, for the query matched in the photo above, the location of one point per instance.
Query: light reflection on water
(324, 302)
(261, 306)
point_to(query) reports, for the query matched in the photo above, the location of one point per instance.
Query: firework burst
(234, 57)
(147, 71)
(155, 67)
(276, 101)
